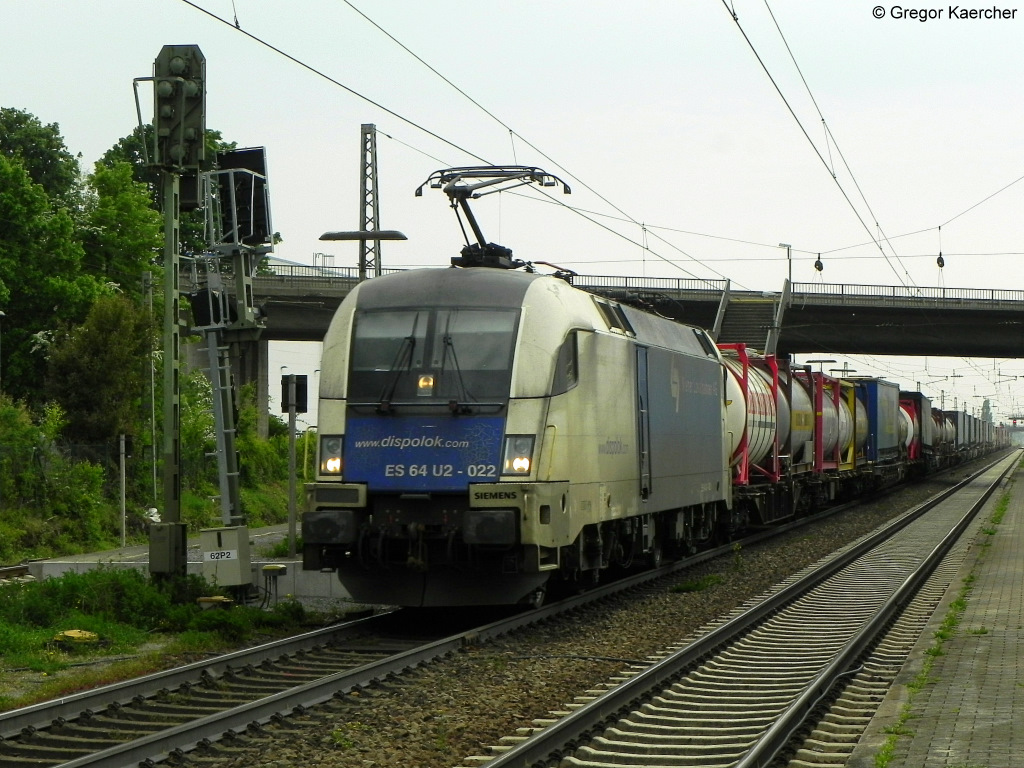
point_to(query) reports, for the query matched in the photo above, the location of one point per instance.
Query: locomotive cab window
(615, 317)
(566, 366)
(433, 355)
(706, 343)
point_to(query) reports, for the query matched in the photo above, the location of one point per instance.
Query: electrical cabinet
(167, 547)
(226, 560)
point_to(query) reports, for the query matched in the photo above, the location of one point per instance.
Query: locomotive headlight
(517, 457)
(331, 454)
(425, 385)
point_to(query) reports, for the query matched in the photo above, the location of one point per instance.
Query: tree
(41, 151)
(100, 384)
(121, 233)
(41, 280)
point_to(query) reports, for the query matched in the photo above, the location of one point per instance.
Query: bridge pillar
(250, 362)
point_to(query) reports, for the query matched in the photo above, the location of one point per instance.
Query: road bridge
(801, 318)
(299, 303)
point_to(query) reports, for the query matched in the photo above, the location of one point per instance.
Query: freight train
(487, 433)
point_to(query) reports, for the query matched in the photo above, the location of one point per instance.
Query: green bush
(199, 509)
(109, 594)
(288, 613)
(230, 625)
(74, 492)
(266, 505)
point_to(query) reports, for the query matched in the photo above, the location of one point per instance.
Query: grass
(139, 627)
(347, 736)
(279, 549)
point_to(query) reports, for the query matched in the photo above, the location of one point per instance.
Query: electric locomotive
(487, 432)
(484, 429)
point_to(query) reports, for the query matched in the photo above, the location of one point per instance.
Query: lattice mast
(369, 209)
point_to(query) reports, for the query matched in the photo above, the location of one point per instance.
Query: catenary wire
(647, 227)
(419, 127)
(803, 129)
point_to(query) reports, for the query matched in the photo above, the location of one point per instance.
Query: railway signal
(179, 106)
(179, 150)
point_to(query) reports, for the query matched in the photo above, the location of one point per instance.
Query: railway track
(737, 694)
(208, 702)
(140, 719)
(148, 719)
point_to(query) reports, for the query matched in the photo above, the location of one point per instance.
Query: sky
(696, 136)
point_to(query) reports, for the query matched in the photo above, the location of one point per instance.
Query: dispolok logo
(422, 441)
(421, 454)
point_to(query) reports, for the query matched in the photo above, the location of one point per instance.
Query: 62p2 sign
(220, 555)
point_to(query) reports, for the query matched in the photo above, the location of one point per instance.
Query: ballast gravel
(443, 714)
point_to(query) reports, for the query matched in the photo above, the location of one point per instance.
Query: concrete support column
(249, 363)
(263, 388)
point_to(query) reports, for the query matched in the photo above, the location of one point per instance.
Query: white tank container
(800, 417)
(910, 429)
(945, 432)
(782, 410)
(754, 415)
(859, 438)
(835, 424)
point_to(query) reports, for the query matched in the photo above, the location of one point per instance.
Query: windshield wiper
(460, 405)
(401, 364)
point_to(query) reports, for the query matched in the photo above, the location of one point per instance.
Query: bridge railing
(297, 277)
(904, 295)
(666, 284)
(300, 276)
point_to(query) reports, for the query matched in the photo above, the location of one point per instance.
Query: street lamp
(789, 259)
(362, 235)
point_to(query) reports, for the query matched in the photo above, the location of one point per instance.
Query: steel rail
(156, 747)
(782, 730)
(68, 707)
(560, 738)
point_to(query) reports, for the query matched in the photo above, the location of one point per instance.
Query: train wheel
(655, 556)
(537, 597)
